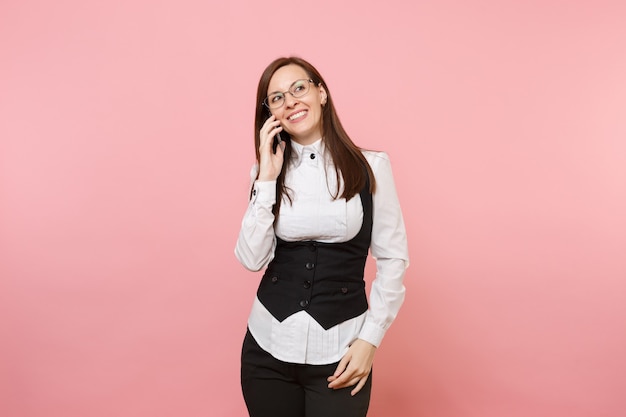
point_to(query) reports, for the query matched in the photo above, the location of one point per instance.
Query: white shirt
(315, 215)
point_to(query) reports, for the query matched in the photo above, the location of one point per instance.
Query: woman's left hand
(354, 368)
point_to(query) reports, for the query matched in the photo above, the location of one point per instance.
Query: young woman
(318, 203)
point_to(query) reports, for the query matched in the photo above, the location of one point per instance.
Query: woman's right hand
(270, 163)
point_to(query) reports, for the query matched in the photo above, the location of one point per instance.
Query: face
(301, 117)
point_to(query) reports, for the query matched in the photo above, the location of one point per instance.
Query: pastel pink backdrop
(126, 140)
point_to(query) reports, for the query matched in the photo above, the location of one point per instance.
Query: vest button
(304, 303)
(307, 284)
(274, 279)
(309, 265)
(344, 290)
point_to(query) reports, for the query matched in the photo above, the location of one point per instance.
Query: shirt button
(312, 156)
(304, 303)
(307, 284)
(309, 265)
(344, 290)
(274, 279)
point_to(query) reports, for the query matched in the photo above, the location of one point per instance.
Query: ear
(323, 95)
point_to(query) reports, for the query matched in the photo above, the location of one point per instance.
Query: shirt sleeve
(256, 242)
(390, 250)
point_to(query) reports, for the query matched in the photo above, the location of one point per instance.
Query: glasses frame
(284, 93)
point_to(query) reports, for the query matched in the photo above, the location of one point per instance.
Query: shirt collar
(298, 151)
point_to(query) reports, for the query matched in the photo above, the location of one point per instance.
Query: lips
(297, 115)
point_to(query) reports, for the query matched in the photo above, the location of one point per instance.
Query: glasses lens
(299, 88)
(275, 100)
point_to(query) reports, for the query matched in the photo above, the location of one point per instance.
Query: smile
(297, 115)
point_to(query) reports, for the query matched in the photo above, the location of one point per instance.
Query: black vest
(325, 279)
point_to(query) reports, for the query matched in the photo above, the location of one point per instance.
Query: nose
(290, 100)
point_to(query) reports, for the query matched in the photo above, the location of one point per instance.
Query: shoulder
(378, 160)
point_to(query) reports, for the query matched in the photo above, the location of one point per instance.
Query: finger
(344, 379)
(344, 383)
(269, 129)
(267, 138)
(269, 120)
(359, 386)
(276, 130)
(267, 124)
(280, 149)
(270, 123)
(341, 366)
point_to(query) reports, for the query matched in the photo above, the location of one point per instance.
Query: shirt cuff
(264, 192)
(371, 333)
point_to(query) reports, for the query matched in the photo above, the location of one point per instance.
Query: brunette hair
(347, 157)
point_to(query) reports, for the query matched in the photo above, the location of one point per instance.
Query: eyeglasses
(298, 89)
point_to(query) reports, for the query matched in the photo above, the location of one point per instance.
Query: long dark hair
(349, 162)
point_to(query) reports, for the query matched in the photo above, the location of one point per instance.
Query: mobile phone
(277, 138)
(276, 142)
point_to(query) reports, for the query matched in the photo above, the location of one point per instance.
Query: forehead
(285, 76)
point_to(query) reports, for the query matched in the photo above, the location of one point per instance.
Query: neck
(305, 141)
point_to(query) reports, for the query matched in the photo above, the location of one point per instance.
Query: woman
(318, 204)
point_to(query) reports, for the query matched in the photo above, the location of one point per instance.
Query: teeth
(295, 116)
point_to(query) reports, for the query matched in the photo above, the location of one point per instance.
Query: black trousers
(272, 388)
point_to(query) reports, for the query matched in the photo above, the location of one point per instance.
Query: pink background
(126, 141)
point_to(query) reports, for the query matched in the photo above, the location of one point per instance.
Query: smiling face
(301, 117)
